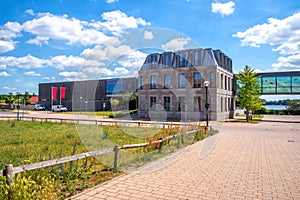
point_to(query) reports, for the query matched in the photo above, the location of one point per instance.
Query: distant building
(171, 85)
(90, 95)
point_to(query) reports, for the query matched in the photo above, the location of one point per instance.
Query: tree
(27, 98)
(294, 107)
(10, 98)
(248, 87)
(115, 103)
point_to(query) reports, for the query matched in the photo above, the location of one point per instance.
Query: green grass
(29, 142)
(255, 119)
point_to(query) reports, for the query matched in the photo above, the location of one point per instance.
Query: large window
(182, 60)
(197, 58)
(181, 80)
(114, 86)
(153, 59)
(197, 77)
(269, 85)
(181, 104)
(142, 83)
(283, 84)
(167, 103)
(167, 60)
(152, 103)
(167, 81)
(153, 82)
(197, 104)
(212, 75)
(295, 83)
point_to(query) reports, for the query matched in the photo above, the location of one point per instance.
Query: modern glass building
(279, 82)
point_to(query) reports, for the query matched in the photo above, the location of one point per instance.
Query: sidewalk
(244, 161)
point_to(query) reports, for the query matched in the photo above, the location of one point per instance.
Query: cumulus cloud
(117, 22)
(223, 8)
(52, 78)
(8, 32)
(283, 35)
(291, 62)
(111, 1)
(175, 44)
(148, 35)
(4, 74)
(73, 76)
(30, 12)
(46, 27)
(26, 62)
(30, 62)
(9, 88)
(32, 73)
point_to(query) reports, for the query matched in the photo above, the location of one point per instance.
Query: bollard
(116, 150)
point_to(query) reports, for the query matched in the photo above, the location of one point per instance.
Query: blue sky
(64, 40)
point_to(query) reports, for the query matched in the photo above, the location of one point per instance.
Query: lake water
(275, 107)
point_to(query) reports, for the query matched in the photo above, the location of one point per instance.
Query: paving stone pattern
(247, 161)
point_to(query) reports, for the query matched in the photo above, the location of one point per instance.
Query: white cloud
(52, 78)
(117, 22)
(4, 74)
(105, 52)
(223, 8)
(8, 32)
(30, 12)
(62, 62)
(148, 35)
(283, 35)
(111, 1)
(59, 62)
(32, 73)
(73, 76)
(48, 26)
(26, 62)
(8, 88)
(132, 59)
(175, 44)
(2, 66)
(291, 62)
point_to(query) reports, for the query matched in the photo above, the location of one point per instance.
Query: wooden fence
(137, 123)
(10, 170)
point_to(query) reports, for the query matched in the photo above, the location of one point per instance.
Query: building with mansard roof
(171, 85)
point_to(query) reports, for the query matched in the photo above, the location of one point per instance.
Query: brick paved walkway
(248, 161)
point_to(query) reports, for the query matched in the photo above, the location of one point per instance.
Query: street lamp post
(206, 84)
(18, 106)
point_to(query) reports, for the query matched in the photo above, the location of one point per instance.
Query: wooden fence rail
(10, 170)
(116, 122)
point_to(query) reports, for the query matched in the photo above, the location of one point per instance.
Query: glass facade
(295, 83)
(279, 84)
(114, 86)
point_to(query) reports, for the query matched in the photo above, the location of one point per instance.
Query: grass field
(29, 142)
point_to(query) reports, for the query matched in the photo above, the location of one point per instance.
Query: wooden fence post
(9, 173)
(116, 150)
(160, 145)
